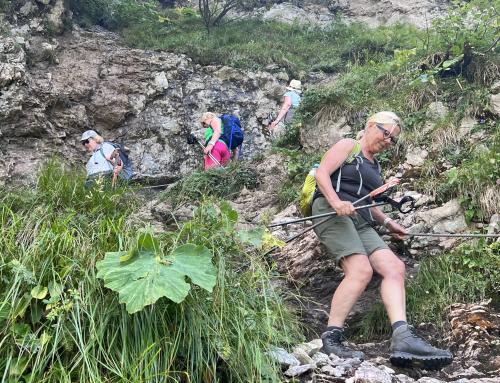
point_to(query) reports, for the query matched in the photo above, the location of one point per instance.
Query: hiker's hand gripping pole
(372, 194)
(191, 139)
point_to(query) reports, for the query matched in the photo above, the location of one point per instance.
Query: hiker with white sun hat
(291, 101)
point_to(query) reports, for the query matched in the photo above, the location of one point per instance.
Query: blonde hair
(386, 117)
(207, 116)
(98, 139)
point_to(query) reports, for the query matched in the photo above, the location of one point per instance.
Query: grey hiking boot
(332, 344)
(410, 350)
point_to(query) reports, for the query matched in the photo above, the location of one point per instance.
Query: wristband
(386, 221)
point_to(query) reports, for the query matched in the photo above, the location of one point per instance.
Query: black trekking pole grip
(191, 140)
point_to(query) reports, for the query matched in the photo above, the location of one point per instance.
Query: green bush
(291, 136)
(114, 15)
(298, 165)
(468, 274)
(224, 183)
(90, 12)
(472, 179)
(287, 194)
(58, 323)
(473, 23)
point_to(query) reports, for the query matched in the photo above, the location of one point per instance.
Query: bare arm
(383, 220)
(216, 127)
(287, 104)
(332, 160)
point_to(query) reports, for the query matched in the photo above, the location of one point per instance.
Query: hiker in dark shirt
(357, 247)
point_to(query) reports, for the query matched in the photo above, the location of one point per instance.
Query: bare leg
(358, 273)
(392, 289)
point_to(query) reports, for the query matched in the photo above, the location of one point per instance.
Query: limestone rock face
(387, 12)
(325, 133)
(146, 100)
(372, 12)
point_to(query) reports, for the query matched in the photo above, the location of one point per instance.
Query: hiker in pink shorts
(213, 144)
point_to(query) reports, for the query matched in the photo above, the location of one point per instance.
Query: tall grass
(225, 183)
(59, 324)
(249, 43)
(255, 44)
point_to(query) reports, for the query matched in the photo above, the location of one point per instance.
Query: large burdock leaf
(147, 276)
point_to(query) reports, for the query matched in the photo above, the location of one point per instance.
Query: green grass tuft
(224, 183)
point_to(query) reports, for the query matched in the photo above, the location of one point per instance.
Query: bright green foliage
(223, 183)
(468, 274)
(474, 22)
(58, 323)
(298, 165)
(472, 179)
(253, 237)
(291, 136)
(147, 275)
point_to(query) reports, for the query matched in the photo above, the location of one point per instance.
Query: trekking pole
(372, 194)
(324, 215)
(452, 235)
(405, 205)
(192, 138)
(118, 162)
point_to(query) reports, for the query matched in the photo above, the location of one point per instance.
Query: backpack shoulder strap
(101, 150)
(356, 149)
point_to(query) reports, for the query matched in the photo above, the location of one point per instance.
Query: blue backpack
(127, 172)
(232, 134)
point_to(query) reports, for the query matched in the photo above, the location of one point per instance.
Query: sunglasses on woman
(85, 142)
(387, 134)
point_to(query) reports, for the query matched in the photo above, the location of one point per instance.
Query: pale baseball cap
(88, 134)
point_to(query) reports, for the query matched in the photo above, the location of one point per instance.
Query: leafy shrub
(298, 165)
(287, 194)
(471, 182)
(468, 274)
(219, 182)
(59, 324)
(473, 23)
(114, 15)
(91, 12)
(291, 136)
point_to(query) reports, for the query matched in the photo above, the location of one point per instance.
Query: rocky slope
(53, 88)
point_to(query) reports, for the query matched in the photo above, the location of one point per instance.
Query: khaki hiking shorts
(345, 235)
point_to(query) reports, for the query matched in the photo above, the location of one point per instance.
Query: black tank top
(357, 179)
